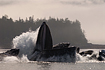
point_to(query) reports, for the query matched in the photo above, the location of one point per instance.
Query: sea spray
(10, 59)
(88, 58)
(81, 58)
(14, 59)
(26, 42)
(24, 59)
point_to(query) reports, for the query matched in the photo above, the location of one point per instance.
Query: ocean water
(52, 66)
(26, 42)
(13, 63)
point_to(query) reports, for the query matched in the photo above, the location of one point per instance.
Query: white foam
(10, 59)
(14, 59)
(25, 42)
(64, 58)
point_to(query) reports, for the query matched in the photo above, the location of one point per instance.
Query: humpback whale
(44, 48)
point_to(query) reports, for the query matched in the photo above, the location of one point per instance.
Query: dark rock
(85, 53)
(11, 52)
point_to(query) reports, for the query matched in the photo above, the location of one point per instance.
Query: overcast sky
(91, 13)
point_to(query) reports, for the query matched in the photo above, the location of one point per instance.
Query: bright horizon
(90, 13)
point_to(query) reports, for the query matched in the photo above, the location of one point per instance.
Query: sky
(90, 13)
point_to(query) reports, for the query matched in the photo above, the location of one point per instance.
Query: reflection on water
(44, 65)
(52, 66)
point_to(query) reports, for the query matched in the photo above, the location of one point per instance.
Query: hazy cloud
(72, 2)
(9, 2)
(82, 2)
(6, 2)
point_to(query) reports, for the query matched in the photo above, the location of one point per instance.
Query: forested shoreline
(62, 30)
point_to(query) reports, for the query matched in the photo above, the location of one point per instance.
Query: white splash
(24, 59)
(10, 59)
(81, 58)
(14, 59)
(25, 42)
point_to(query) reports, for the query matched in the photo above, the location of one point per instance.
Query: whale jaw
(44, 39)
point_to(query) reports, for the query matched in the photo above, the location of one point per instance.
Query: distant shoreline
(93, 46)
(98, 46)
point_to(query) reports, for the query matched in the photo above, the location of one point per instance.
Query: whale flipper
(44, 39)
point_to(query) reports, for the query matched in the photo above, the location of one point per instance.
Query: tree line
(62, 30)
